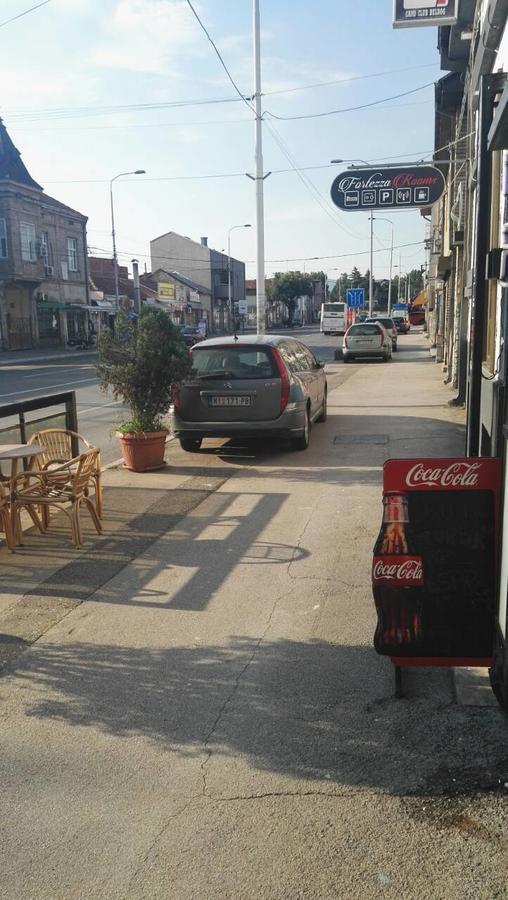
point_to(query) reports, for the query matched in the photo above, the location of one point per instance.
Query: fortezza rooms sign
(408, 187)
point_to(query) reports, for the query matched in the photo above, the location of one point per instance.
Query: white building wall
(174, 252)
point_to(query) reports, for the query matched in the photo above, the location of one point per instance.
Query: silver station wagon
(367, 340)
(250, 386)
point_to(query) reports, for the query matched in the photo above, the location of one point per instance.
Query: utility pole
(260, 210)
(390, 282)
(113, 235)
(371, 276)
(137, 287)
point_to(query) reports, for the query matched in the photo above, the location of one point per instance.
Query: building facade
(43, 261)
(206, 267)
(467, 239)
(188, 302)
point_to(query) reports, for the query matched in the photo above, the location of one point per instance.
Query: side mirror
(319, 365)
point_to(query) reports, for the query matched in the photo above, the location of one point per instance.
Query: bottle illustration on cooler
(397, 580)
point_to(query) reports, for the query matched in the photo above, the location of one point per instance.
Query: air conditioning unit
(49, 270)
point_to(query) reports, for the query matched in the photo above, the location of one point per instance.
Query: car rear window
(363, 329)
(386, 322)
(234, 363)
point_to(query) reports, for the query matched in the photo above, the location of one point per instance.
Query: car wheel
(324, 412)
(190, 445)
(302, 441)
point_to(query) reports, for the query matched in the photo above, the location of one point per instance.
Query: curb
(53, 358)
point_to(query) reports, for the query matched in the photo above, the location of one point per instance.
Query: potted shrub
(140, 362)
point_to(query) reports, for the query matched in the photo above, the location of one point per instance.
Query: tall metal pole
(137, 286)
(371, 276)
(229, 279)
(260, 211)
(390, 281)
(115, 257)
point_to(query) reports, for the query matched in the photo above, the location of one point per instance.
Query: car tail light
(175, 396)
(284, 380)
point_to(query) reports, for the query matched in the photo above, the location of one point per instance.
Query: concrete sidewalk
(213, 722)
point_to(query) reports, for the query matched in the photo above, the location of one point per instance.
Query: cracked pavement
(212, 722)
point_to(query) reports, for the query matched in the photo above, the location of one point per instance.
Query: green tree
(356, 278)
(287, 287)
(140, 362)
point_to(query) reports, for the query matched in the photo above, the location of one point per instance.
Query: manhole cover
(361, 439)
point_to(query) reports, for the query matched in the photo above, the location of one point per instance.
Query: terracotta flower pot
(143, 451)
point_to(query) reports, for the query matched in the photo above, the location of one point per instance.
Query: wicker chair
(65, 486)
(59, 450)
(5, 518)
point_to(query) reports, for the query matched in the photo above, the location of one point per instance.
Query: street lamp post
(230, 293)
(381, 219)
(371, 265)
(115, 257)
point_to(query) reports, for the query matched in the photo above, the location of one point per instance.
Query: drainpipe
(480, 260)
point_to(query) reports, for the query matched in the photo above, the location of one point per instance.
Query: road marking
(50, 387)
(38, 374)
(83, 412)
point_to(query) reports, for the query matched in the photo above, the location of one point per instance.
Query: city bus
(333, 318)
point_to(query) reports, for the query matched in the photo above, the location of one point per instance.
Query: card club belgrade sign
(392, 188)
(413, 13)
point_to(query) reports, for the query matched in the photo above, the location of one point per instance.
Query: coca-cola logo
(457, 474)
(409, 570)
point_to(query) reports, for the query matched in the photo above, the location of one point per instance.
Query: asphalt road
(98, 413)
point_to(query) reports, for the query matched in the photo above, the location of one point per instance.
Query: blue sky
(78, 56)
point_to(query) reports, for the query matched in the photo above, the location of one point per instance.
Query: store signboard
(435, 561)
(166, 290)
(417, 13)
(393, 187)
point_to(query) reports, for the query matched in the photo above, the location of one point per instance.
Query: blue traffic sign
(355, 298)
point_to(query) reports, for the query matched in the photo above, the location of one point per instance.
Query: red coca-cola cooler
(435, 562)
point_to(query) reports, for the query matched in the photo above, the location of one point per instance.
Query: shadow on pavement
(307, 710)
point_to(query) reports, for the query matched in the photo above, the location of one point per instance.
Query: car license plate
(230, 401)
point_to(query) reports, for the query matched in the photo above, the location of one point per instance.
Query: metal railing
(25, 426)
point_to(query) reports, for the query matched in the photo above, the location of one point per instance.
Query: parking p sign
(355, 298)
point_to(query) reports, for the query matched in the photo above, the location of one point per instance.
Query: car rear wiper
(217, 375)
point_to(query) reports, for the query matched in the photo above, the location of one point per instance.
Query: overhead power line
(220, 58)
(68, 112)
(178, 259)
(24, 13)
(318, 84)
(188, 123)
(306, 181)
(334, 112)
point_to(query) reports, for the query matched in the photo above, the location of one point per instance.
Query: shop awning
(50, 304)
(420, 299)
(104, 305)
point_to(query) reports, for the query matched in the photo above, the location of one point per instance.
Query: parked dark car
(387, 323)
(251, 386)
(402, 324)
(190, 334)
